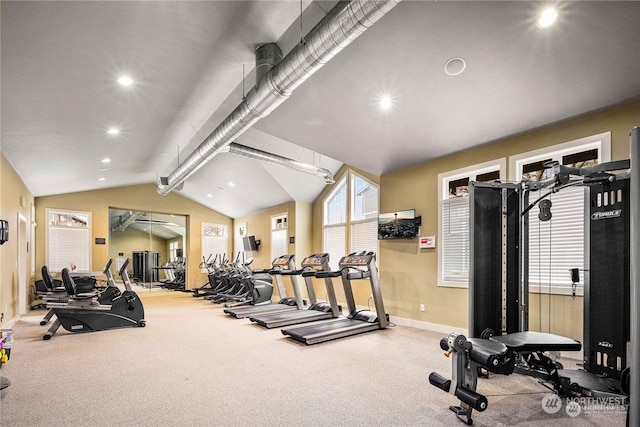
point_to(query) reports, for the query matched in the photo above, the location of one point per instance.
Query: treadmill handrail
(291, 272)
(328, 274)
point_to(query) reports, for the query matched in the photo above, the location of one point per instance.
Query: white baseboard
(11, 323)
(435, 327)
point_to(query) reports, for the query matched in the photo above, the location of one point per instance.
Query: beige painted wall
(138, 197)
(15, 198)
(408, 275)
(299, 226)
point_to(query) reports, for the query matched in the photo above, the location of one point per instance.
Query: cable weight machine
(499, 287)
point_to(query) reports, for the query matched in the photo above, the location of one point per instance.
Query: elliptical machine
(84, 312)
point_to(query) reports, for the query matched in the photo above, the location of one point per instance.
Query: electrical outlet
(421, 307)
(1, 317)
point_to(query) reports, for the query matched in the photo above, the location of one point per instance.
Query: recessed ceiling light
(113, 131)
(455, 66)
(547, 17)
(106, 160)
(231, 184)
(101, 179)
(125, 80)
(210, 196)
(103, 169)
(385, 102)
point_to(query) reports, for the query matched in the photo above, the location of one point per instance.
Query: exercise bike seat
(531, 341)
(70, 287)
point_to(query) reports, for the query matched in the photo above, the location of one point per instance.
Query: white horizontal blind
(334, 244)
(68, 240)
(278, 243)
(557, 245)
(214, 239)
(455, 240)
(68, 246)
(364, 236)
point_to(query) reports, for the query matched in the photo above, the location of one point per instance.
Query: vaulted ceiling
(192, 63)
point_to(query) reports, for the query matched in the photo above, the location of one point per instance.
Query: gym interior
(488, 279)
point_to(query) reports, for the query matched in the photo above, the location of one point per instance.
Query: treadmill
(355, 266)
(283, 263)
(311, 266)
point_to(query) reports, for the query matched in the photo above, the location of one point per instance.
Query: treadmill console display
(316, 260)
(283, 260)
(355, 260)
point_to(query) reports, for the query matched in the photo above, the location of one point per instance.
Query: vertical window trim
(443, 195)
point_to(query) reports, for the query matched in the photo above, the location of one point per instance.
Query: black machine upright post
(634, 392)
(606, 285)
(494, 262)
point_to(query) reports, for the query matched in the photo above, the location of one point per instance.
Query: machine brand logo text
(607, 214)
(605, 344)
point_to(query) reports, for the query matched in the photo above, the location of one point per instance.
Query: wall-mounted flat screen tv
(397, 225)
(249, 243)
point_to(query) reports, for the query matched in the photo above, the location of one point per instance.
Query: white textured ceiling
(60, 60)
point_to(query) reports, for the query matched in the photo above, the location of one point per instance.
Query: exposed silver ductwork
(126, 220)
(342, 25)
(274, 159)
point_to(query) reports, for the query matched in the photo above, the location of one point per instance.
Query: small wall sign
(427, 242)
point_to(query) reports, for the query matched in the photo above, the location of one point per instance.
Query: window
(68, 240)
(453, 190)
(173, 250)
(350, 218)
(279, 244)
(557, 245)
(240, 232)
(214, 239)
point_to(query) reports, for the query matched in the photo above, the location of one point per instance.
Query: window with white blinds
(364, 236)
(240, 232)
(453, 217)
(279, 243)
(334, 243)
(68, 240)
(455, 240)
(214, 240)
(557, 245)
(350, 218)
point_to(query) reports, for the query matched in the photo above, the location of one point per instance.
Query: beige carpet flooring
(192, 365)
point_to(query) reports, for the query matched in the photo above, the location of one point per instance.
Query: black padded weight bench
(529, 349)
(520, 352)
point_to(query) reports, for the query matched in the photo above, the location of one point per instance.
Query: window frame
(49, 227)
(275, 230)
(348, 181)
(225, 236)
(444, 178)
(601, 142)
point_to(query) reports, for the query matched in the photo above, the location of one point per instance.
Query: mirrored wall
(154, 242)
